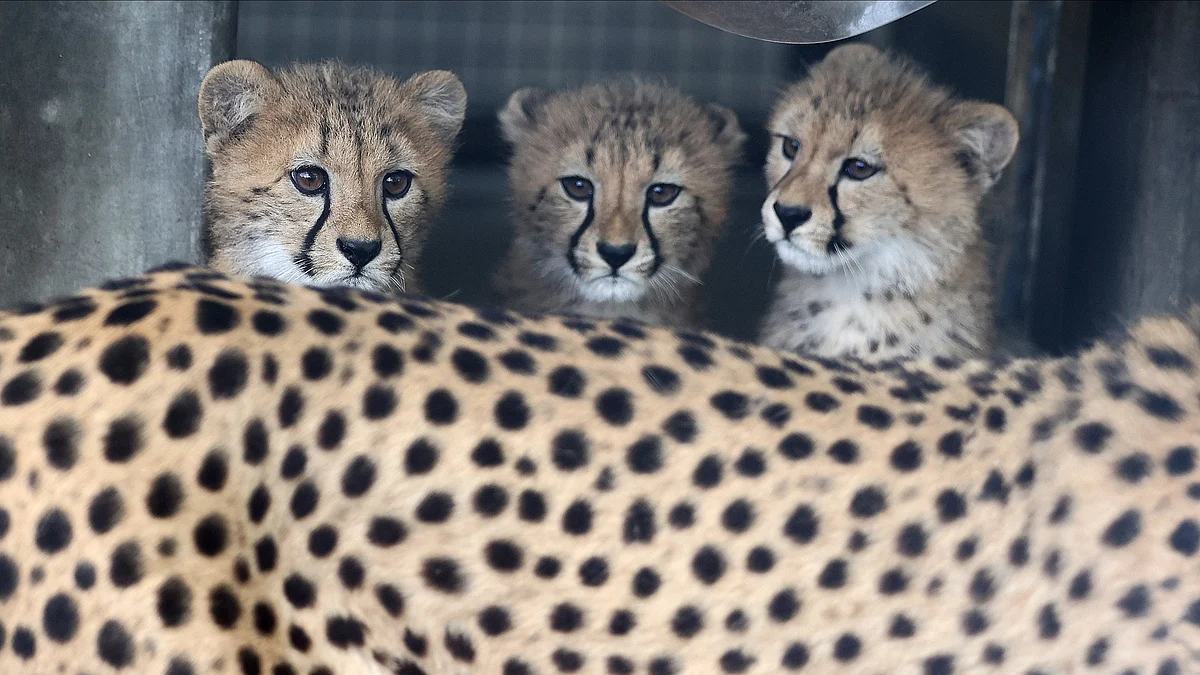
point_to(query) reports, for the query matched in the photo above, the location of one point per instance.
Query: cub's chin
(900, 263)
(809, 261)
(367, 280)
(612, 289)
(361, 282)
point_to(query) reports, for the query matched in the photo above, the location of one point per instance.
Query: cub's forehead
(361, 119)
(619, 126)
(338, 140)
(357, 92)
(345, 100)
(878, 88)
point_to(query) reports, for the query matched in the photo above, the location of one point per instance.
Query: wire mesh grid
(497, 47)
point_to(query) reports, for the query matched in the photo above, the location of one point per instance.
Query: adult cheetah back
(200, 475)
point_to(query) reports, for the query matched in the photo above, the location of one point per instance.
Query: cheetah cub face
(326, 175)
(876, 173)
(620, 191)
(876, 178)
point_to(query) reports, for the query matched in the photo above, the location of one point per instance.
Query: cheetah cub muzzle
(620, 192)
(876, 180)
(323, 174)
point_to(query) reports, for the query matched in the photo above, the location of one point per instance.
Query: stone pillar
(101, 159)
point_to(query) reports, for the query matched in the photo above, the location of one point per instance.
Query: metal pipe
(797, 21)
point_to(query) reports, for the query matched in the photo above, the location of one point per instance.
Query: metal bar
(1030, 220)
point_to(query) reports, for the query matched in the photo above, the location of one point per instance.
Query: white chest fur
(831, 315)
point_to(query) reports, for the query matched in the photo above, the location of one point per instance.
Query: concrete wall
(101, 159)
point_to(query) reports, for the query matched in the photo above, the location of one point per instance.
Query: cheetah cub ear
(852, 54)
(988, 135)
(230, 96)
(727, 133)
(522, 113)
(443, 99)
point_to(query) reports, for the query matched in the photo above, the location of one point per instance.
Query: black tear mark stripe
(658, 259)
(837, 242)
(392, 226)
(304, 257)
(587, 222)
(839, 220)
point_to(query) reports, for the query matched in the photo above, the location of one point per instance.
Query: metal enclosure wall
(103, 162)
(1134, 246)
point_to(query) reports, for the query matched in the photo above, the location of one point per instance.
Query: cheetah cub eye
(662, 194)
(397, 183)
(579, 189)
(859, 169)
(789, 147)
(309, 180)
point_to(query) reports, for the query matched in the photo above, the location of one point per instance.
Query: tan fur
(624, 138)
(356, 124)
(914, 279)
(921, 519)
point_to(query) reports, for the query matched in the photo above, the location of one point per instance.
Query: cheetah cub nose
(615, 256)
(359, 252)
(791, 217)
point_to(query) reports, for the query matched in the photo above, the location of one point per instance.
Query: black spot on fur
(115, 645)
(214, 317)
(681, 426)
(1168, 358)
(125, 360)
(39, 347)
(1160, 405)
(615, 406)
(874, 417)
(1123, 530)
(60, 618)
(1185, 538)
(1180, 461)
(229, 374)
(130, 313)
(661, 379)
(183, 415)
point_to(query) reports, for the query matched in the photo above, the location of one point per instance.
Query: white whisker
(681, 272)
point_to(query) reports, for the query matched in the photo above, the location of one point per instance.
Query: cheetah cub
(876, 180)
(620, 192)
(323, 174)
